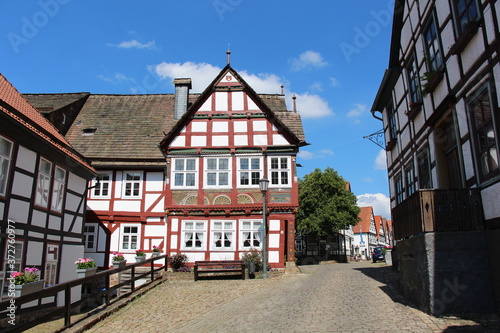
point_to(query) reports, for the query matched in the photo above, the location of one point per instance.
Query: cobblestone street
(355, 297)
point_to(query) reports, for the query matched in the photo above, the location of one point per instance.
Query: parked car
(378, 253)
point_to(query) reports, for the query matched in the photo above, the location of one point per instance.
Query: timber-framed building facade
(439, 104)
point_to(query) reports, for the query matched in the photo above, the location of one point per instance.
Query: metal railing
(438, 210)
(26, 317)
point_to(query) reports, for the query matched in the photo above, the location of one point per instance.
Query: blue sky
(330, 54)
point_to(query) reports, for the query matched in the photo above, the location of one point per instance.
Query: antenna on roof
(228, 52)
(294, 103)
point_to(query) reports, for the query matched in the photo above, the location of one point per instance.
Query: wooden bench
(219, 266)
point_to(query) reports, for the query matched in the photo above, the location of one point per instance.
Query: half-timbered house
(365, 233)
(439, 104)
(181, 171)
(43, 190)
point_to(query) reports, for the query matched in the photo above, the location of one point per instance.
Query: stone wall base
(446, 272)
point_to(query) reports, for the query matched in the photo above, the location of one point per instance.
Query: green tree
(326, 206)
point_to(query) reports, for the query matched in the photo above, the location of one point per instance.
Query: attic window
(89, 131)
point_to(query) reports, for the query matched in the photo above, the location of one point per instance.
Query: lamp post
(263, 185)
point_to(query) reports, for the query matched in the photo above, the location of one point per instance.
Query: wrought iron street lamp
(264, 185)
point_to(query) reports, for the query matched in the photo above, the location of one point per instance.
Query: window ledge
(391, 144)
(465, 37)
(415, 108)
(433, 82)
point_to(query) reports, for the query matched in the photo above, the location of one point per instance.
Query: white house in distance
(365, 234)
(43, 194)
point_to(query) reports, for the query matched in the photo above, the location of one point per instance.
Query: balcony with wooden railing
(432, 210)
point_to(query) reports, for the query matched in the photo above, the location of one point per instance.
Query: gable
(230, 115)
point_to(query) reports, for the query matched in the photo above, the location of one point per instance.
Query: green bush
(177, 261)
(253, 256)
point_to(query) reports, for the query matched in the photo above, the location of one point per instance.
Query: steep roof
(364, 215)
(15, 106)
(51, 102)
(126, 127)
(378, 223)
(274, 105)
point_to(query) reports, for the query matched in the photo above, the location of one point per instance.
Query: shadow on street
(390, 279)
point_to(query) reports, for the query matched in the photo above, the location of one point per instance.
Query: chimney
(182, 87)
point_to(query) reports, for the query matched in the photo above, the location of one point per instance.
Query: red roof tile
(365, 215)
(13, 104)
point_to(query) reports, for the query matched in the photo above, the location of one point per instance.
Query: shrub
(177, 261)
(255, 257)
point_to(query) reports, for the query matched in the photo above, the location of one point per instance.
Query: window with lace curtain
(194, 235)
(223, 235)
(251, 234)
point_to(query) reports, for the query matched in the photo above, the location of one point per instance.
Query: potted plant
(156, 251)
(118, 260)
(26, 281)
(140, 255)
(85, 267)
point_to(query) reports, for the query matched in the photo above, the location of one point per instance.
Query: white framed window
(13, 256)
(410, 180)
(482, 118)
(400, 189)
(43, 183)
(58, 189)
(184, 172)
(102, 189)
(432, 46)
(249, 171)
(280, 171)
(217, 172)
(251, 234)
(132, 184)
(223, 235)
(194, 235)
(5, 161)
(51, 263)
(130, 238)
(90, 236)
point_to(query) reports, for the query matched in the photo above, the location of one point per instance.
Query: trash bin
(388, 257)
(251, 270)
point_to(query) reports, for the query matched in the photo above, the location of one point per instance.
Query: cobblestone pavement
(355, 297)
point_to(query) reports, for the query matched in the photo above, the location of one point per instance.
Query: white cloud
(263, 83)
(307, 60)
(134, 44)
(334, 82)
(357, 111)
(311, 106)
(202, 74)
(381, 161)
(309, 155)
(116, 79)
(316, 86)
(380, 202)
